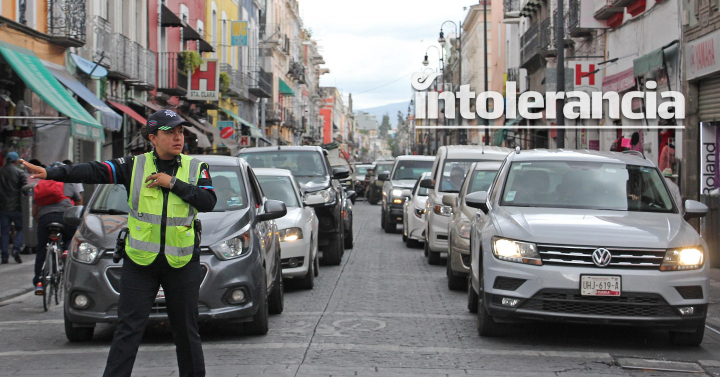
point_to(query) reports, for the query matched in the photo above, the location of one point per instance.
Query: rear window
(381, 168)
(480, 180)
(300, 163)
(409, 169)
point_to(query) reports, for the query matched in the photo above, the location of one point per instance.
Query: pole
(560, 38)
(463, 133)
(485, 68)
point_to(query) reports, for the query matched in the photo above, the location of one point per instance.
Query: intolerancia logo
(665, 105)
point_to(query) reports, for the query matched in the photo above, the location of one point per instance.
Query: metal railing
(170, 79)
(297, 71)
(237, 87)
(573, 17)
(546, 41)
(150, 64)
(529, 43)
(273, 112)
(512, 8)
(261, 84)
(513, 74)
(66, 20)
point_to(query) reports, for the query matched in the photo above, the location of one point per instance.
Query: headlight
(464, 230)
(689, 258)
(328, 195)
(442, 210)
(396, 192)
(516, 251)
(84, 252)
(419, 212)
(290, 234)
(232, 248)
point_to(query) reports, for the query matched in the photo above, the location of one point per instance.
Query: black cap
(164, 120)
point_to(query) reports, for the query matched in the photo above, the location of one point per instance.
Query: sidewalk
(713, 317)
(16, 279)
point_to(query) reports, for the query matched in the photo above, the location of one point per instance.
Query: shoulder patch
(204, 174)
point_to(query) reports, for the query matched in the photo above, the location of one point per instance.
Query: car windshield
(453, 174)
(361, 170)
(480, 180)
(111, 199)
(409, 169)
(300, 163)
(381, 168)
(279, 188)
(586, 185)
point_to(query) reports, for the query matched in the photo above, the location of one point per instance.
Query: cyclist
(50, 201)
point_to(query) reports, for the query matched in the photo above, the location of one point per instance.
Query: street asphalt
(383, 312)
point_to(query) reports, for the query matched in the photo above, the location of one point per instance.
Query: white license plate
(600, 285)
(160, 294)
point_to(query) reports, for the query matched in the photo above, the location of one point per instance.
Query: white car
(448, 173)
(298, 229)
(414, 213)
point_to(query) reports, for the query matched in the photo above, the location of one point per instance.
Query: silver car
(586, 236)
(414, 213)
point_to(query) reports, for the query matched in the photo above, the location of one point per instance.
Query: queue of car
(278, 213)
(563, 236)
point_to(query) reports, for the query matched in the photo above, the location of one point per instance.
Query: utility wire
(384, 85)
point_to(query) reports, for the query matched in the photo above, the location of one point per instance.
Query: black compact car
(239, 255)
(321, 188)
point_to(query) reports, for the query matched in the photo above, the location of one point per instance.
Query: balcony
(286, 45)
(100, 43)
(512, 8)
(530, 46)
(148, 62)
(66, 22)
(573, 21)
(289, 119)
(605, 9)
(170, 78)
(261, 85)
(237, 87)
(273, 112)
(297, 72)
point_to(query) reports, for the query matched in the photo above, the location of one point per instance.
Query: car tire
(404, 238)
(455, 283)
(308, 281)
(411, 243)
(389, 227)
(472, 303)
(276, 300)
(486, 325)
(78, 334)
(349, 241)
(382, 219)
(688, 339)
(332, 254)
(316, 270)
(259, 324)
(425, 247)
(433, 256)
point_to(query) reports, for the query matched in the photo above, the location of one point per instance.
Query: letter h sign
(204, 82)
(582, 69)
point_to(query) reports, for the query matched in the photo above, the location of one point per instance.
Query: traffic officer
(165, 189)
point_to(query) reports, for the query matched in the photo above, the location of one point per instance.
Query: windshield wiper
(109, 211)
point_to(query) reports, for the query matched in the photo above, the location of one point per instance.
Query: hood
(404, 183)
(310, 184)
(102, 230)
(595, 227)
(290, 220)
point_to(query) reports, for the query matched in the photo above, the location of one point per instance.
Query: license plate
(600, 285)
(161, 293)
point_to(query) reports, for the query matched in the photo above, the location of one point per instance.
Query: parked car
(404, 175)
(298, 229)
(448, 172)
(479, 178)
(311, 168)
(361, 170)
(348, 183)
(239, 255)
(374, 191)
(586, 236)
(414, 213)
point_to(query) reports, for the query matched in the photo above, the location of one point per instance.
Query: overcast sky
(371, 43)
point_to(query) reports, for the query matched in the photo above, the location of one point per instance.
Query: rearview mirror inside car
(73, 215)
(476, 200)
(450, 200)
(274, 209)
(427, 183)
(340, 173)
(694, 209)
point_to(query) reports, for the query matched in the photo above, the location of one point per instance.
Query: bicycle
(52, 272)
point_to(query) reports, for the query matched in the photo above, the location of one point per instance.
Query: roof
(281, 148)
(415, 158)
(272, 172)
(459, 151)
(581, 155)
(217, 159)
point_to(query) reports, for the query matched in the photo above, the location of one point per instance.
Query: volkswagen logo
(601, 257)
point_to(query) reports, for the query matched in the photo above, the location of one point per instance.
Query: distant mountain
(390, 109)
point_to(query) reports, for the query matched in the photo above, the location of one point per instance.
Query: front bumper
(101, 281)
(552, 293)
(416, 226)
(395, 213)
(329, 221)
(437, 235)
(298, 250)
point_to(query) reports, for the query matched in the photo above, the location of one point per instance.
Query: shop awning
(202, 139)
(147, 104)
(530, 7)
(39, 79)
(285, 89)
(209, 128)
(129, 112)
(109, 118)
(619, 82)
(648, 63)
(254, 131)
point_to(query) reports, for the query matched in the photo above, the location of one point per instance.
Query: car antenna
(517, 149)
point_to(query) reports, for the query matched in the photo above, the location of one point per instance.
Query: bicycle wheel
(56, 276)
(46, 282)
(59, 289)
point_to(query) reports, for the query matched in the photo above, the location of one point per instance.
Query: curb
(14, 293)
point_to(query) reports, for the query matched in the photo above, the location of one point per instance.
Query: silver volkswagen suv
(586, 236)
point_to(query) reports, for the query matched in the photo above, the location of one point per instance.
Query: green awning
(39, 79)
(254, 131)
(648, 63)
(285, 89)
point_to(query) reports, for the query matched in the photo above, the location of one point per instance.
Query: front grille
(442, 237)
(508, 284)
(581, 256)
(629, 304)
(113, 275)
(690, 292)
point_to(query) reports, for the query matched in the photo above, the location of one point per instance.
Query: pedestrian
(162, 247)
(12, 179)
(667, 157)
(674, 189)
(50, 201)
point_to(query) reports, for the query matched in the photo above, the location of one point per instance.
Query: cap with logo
(164, 120)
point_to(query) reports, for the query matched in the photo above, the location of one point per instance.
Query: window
(224, 39)
(229, 189)
(411, 170)
(453, 175)
(255, 189)
(213, 29)
(480, 180)
(279, 188)
(200, 28)
(300, 163)
(111, 198)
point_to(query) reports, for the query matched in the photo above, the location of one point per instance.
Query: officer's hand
(159, 179)
(34, 170)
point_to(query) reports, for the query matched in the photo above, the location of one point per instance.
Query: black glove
(120, 245)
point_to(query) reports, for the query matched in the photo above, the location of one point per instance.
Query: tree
(384, 126)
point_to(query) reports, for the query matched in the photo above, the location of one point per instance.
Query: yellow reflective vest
(146, 210)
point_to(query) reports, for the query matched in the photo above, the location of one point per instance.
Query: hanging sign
(238, 33)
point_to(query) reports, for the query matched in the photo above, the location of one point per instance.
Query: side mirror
(340, 173)
(693, 209)
(73, 215)
(450, 200)
(406, 193)
(427, 183)
(383, 176)
(352, 195)
(274, 209)
(476, 200)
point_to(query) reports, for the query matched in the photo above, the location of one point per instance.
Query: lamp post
(485, 68)
(441, 40)
(439, 69)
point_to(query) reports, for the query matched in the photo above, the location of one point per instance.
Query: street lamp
(458, 33)
(440, 57)
(441, 40)
(425, 61)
